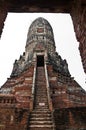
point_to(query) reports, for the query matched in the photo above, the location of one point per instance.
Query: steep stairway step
(38, 95)
(41, 107)
(41, 94)
(44, 97)
(41, 91)
(41, 103)
(41, 79)
(40, 115)
(41, 112)
(42, 126)
(41, 100)
(37, 104)
(42, 82)
(41, 86)
(44, 109)
(41, 119)
(41, 122)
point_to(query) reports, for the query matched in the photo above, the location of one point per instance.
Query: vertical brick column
(78, 13)
(3, 15)
(71, 119)
(82, 40)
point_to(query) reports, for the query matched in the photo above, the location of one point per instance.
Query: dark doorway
(40, 61)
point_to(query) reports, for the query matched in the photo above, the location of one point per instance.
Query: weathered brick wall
(69, 102)
(15, 106)
(13, 118)
(65, 92)
(78, 13)
(70, 118)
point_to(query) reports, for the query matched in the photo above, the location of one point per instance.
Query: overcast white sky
(13, 41)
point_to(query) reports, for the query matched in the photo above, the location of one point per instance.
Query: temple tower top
(40, 41)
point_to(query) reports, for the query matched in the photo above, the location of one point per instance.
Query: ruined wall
(65, 92)
(13, 118)
(70, 119)
(68, 101)
(16, 101)
(78, 15)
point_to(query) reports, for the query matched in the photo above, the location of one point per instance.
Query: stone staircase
(41, 117)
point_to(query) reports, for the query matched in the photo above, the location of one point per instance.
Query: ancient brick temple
(40, 93)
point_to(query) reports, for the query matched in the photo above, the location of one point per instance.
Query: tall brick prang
(40, 93)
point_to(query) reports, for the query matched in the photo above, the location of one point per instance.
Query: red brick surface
(68, 99)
